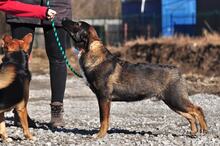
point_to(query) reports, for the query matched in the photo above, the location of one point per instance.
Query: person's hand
(51, 14)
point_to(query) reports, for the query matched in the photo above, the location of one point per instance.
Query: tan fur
(93, 36)
(114, 77)
(3, 132)
(191, 120)
(25, 44)
(7, 76)
(96, 52)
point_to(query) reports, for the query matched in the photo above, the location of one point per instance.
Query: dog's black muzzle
(68, 25)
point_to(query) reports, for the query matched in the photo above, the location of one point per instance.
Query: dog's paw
(203, 131)
(7, 140)
(99, 135)
(33, 139)
(30, 137)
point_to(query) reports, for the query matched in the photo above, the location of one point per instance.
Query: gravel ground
(139, 123)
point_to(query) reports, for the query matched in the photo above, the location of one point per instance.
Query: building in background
(141, 18)
(152, 18)
(178, 16)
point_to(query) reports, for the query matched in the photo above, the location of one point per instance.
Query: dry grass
(180, 40)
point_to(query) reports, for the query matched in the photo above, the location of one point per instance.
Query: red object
(22, 9)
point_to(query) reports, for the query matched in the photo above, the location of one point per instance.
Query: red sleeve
(22, 9)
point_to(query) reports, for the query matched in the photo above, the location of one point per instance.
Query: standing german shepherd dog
(14, 81)
(112, 79)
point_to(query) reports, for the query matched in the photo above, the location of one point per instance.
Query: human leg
(58, 73)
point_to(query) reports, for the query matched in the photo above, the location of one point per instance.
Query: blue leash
(60, 46)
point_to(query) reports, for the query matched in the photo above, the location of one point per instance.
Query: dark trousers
(58, 71)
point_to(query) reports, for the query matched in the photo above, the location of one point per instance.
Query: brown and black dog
(112, 79)
(14, 81)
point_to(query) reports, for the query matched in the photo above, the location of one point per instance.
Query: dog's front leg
(104, 111)
(3, 132)
(22, 113)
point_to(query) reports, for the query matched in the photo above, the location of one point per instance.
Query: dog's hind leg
(104, 111)
(184, 110)
(176, 97)
(197, 112)
(191, 120)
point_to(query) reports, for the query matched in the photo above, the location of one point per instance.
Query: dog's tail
(7, 76)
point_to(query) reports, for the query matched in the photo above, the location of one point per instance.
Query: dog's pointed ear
(93, 34)
(6, 38)
(28, 38)
(26, 41)
(12, 45)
